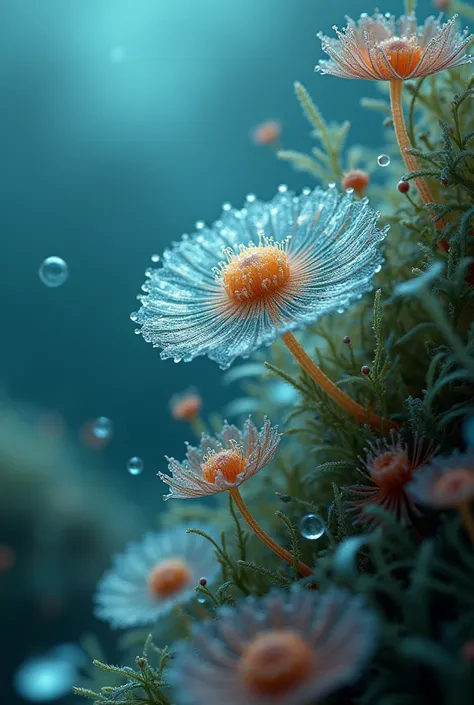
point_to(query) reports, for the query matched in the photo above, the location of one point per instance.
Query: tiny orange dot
(228, 462)
(267, 133)
(257, 272)
(186, 408)
(276, 661)
(356, 179)
(391, 470)
(168, 577)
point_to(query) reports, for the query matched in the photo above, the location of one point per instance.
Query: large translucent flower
(389, 465)
(153, 575)
(222, 462)
(283, 648)
(379, 48)
(258, 273)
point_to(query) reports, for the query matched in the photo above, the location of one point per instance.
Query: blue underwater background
(124, 122)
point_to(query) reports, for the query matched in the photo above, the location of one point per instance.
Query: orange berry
(356, 179)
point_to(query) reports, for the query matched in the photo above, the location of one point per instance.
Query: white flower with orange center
(379, 48)
(448, 482)
(295, 647)
(260, 273)
(222, 463)
(153, 575)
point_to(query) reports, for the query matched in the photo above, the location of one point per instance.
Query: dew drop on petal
(383, 160)
(135, 465)
(306, 191)
(283, 188)
(312, 526)
(53, 271)
(102, 427)
(134, 316)
(155, 258)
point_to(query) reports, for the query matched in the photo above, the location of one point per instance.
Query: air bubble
(102, 427)
(53, 271)
(250, 198)
(134, 316)
(312, 526)
(383, 160)
(155, 258)
(306, 191)
(331, 184)
(283, 188)
(200, 225)
(226, 206)
(135, 465)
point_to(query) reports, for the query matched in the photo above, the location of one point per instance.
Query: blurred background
(123, 122)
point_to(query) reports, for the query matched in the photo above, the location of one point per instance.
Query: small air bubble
(226, 206)
(283, 188)
(199, 225)
(137, 331)
(331, 184)
(135, 465)
(312, 526)
(148, 272)
(250, 198)
(155, 258)
(306, 191)
(134, 316)
(102, 427)
(349, 190)
(383, 160)
(53, 272)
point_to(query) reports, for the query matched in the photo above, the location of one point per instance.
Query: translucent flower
(282, 648)
(446, 482)
(379, 48)
(258, 273)
(222, 462)
(185, 406)
(389, 466)
(153, 575)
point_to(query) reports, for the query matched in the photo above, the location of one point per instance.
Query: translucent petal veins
(380, 49)
(328, 242)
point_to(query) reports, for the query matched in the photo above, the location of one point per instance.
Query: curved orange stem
(332, 390)
(263, 536)
(410, 161)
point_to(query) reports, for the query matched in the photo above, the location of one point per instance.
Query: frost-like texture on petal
(380, 49)
(256, 451)
(330, 244)
(447, 482)
(123, 596)
(337, 629)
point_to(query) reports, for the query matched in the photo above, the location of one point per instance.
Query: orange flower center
(275, 661)
(391, 470)
(455, 485)
(256, 273)
(168, 577)
(228, 462)
(403, 55)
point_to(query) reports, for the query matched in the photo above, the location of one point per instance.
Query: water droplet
(312, 526)
(331, 184)
(306, 191)
(148, 272)
(137, 331)
(102, 427)
(349, 191)
(250, 198)
(53, 271)
(383, 160)
(283, 188)
(226, 206)
(199, 225)
(134, 316)
(155, 258)
(135, 465)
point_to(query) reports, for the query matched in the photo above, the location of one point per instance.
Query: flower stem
(332, 390)
(263, 536)
(467, 519)
(404, 144)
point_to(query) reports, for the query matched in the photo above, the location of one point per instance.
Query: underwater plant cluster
(343, 572)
